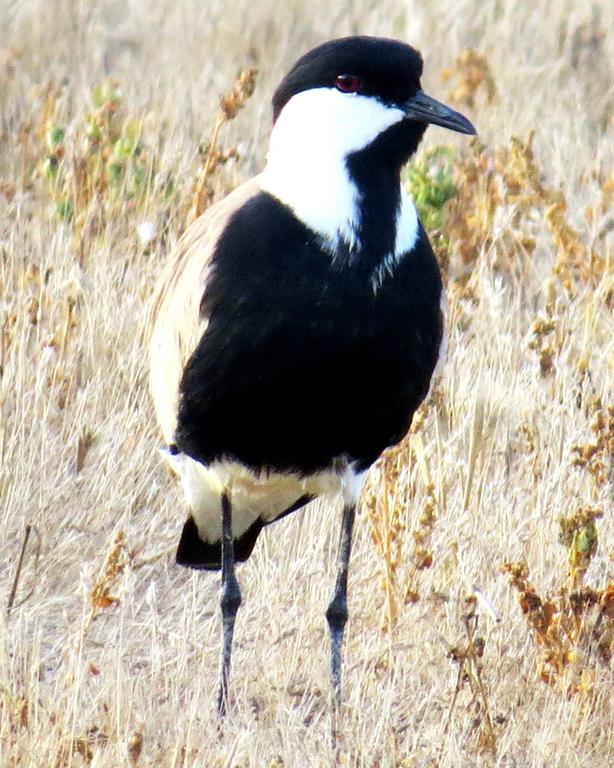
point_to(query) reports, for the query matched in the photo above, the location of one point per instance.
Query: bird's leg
(337, 612)
(229, 602)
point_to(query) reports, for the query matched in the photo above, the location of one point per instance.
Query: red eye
(348, 83)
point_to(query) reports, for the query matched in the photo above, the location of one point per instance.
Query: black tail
(193, 552)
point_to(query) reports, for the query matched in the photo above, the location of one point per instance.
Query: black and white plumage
(298, 324)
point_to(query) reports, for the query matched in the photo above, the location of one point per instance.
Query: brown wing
(175, 321)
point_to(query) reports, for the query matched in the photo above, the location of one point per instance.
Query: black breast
(301, 362)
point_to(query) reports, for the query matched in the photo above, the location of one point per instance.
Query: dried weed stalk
(541, 340)
(29, 529)
(468, 655)
(134, 747)
(383, 501)
(574, 628)
(101, 596)
(470, 77)
(15, 717)
(86, 747)
(500, 204)
(230, 105)
(597, 456)
(387, 499)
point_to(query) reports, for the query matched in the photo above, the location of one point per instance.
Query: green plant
(430, 182)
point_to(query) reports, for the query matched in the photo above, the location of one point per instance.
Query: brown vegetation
(481, 590)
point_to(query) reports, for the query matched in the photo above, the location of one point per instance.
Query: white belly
(252, 496)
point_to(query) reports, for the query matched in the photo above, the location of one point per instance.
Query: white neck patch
(407, 234)
(306, 165)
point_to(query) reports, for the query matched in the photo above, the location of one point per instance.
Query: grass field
(108, 654)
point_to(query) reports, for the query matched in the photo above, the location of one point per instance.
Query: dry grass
(108, 655)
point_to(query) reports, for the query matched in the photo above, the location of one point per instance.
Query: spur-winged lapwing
(299, 322)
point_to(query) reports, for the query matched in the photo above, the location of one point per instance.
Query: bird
(298, 321)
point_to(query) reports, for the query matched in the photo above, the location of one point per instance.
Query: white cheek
(306, 165)
(323, 122)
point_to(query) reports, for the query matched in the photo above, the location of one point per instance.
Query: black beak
(426, 109)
